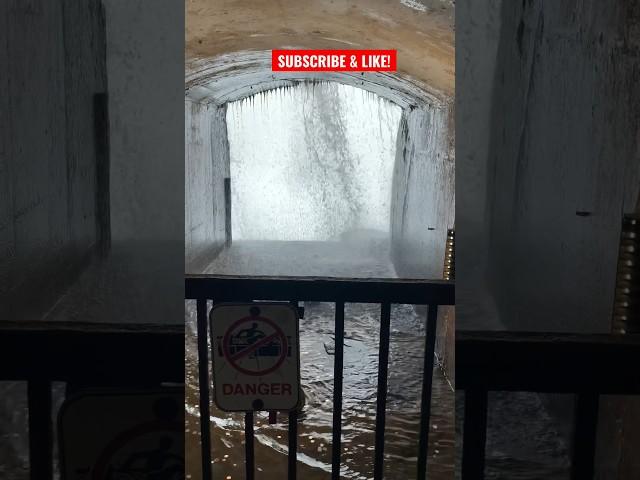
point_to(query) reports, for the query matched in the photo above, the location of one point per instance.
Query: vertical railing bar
(427, 383)
(203, 386)
(337, 391)
(584, 436)
(40, 429)
(474, 434)
(293, 445)
(292, 456)
(381, 404)
(249, 458)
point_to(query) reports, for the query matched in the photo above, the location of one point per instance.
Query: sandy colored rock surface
(422, 33)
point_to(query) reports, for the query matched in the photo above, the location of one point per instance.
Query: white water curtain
(311, 162)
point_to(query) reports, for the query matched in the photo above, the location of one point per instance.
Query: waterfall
(311, 162)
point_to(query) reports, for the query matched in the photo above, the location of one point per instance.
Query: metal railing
(82, 354)
(584, 365)
(385, 292)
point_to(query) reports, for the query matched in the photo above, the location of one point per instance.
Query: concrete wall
(206, 166)
(565, 155)
(56, 51)
(146, 68)
(547, 123)
(141, 280)
(477, 38)
(423, 195)
(423, 207)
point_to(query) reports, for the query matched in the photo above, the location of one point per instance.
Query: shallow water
(359, 403)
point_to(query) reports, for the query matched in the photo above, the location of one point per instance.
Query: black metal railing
(82, 354)
(587, 366)
(385, 292)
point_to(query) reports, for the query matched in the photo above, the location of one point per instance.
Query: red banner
(333, 60)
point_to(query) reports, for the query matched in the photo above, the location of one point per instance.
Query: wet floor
(341, 259)
(353, 257)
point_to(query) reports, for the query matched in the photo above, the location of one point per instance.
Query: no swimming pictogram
(255, 346)
(255, 356)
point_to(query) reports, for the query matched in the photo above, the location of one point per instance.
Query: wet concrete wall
(564, 165)
(55, 51)
(51, 213)
(423, 196)
(206, 166)
(565, 155)
(422, 206)
(142, 280)
(477, 37)
(146, 68)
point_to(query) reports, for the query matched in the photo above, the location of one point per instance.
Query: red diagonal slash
(253, 347)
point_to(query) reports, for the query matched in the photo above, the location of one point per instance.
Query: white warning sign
(255, 356)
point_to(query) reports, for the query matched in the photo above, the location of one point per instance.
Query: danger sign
(255, 356)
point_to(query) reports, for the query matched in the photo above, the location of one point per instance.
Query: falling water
(311, 162)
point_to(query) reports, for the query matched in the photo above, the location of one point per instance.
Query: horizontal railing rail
(88, 352)
(321, 289)
(585, 365)
(220, 288)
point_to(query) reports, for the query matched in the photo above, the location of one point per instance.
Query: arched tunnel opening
(311, 172)
(340, 175)
(359, 160)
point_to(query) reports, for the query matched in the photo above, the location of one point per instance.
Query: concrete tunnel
(228, 60)
(422, 173)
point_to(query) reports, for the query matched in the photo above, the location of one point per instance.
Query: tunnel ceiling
(228, 46)
(232, 77)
